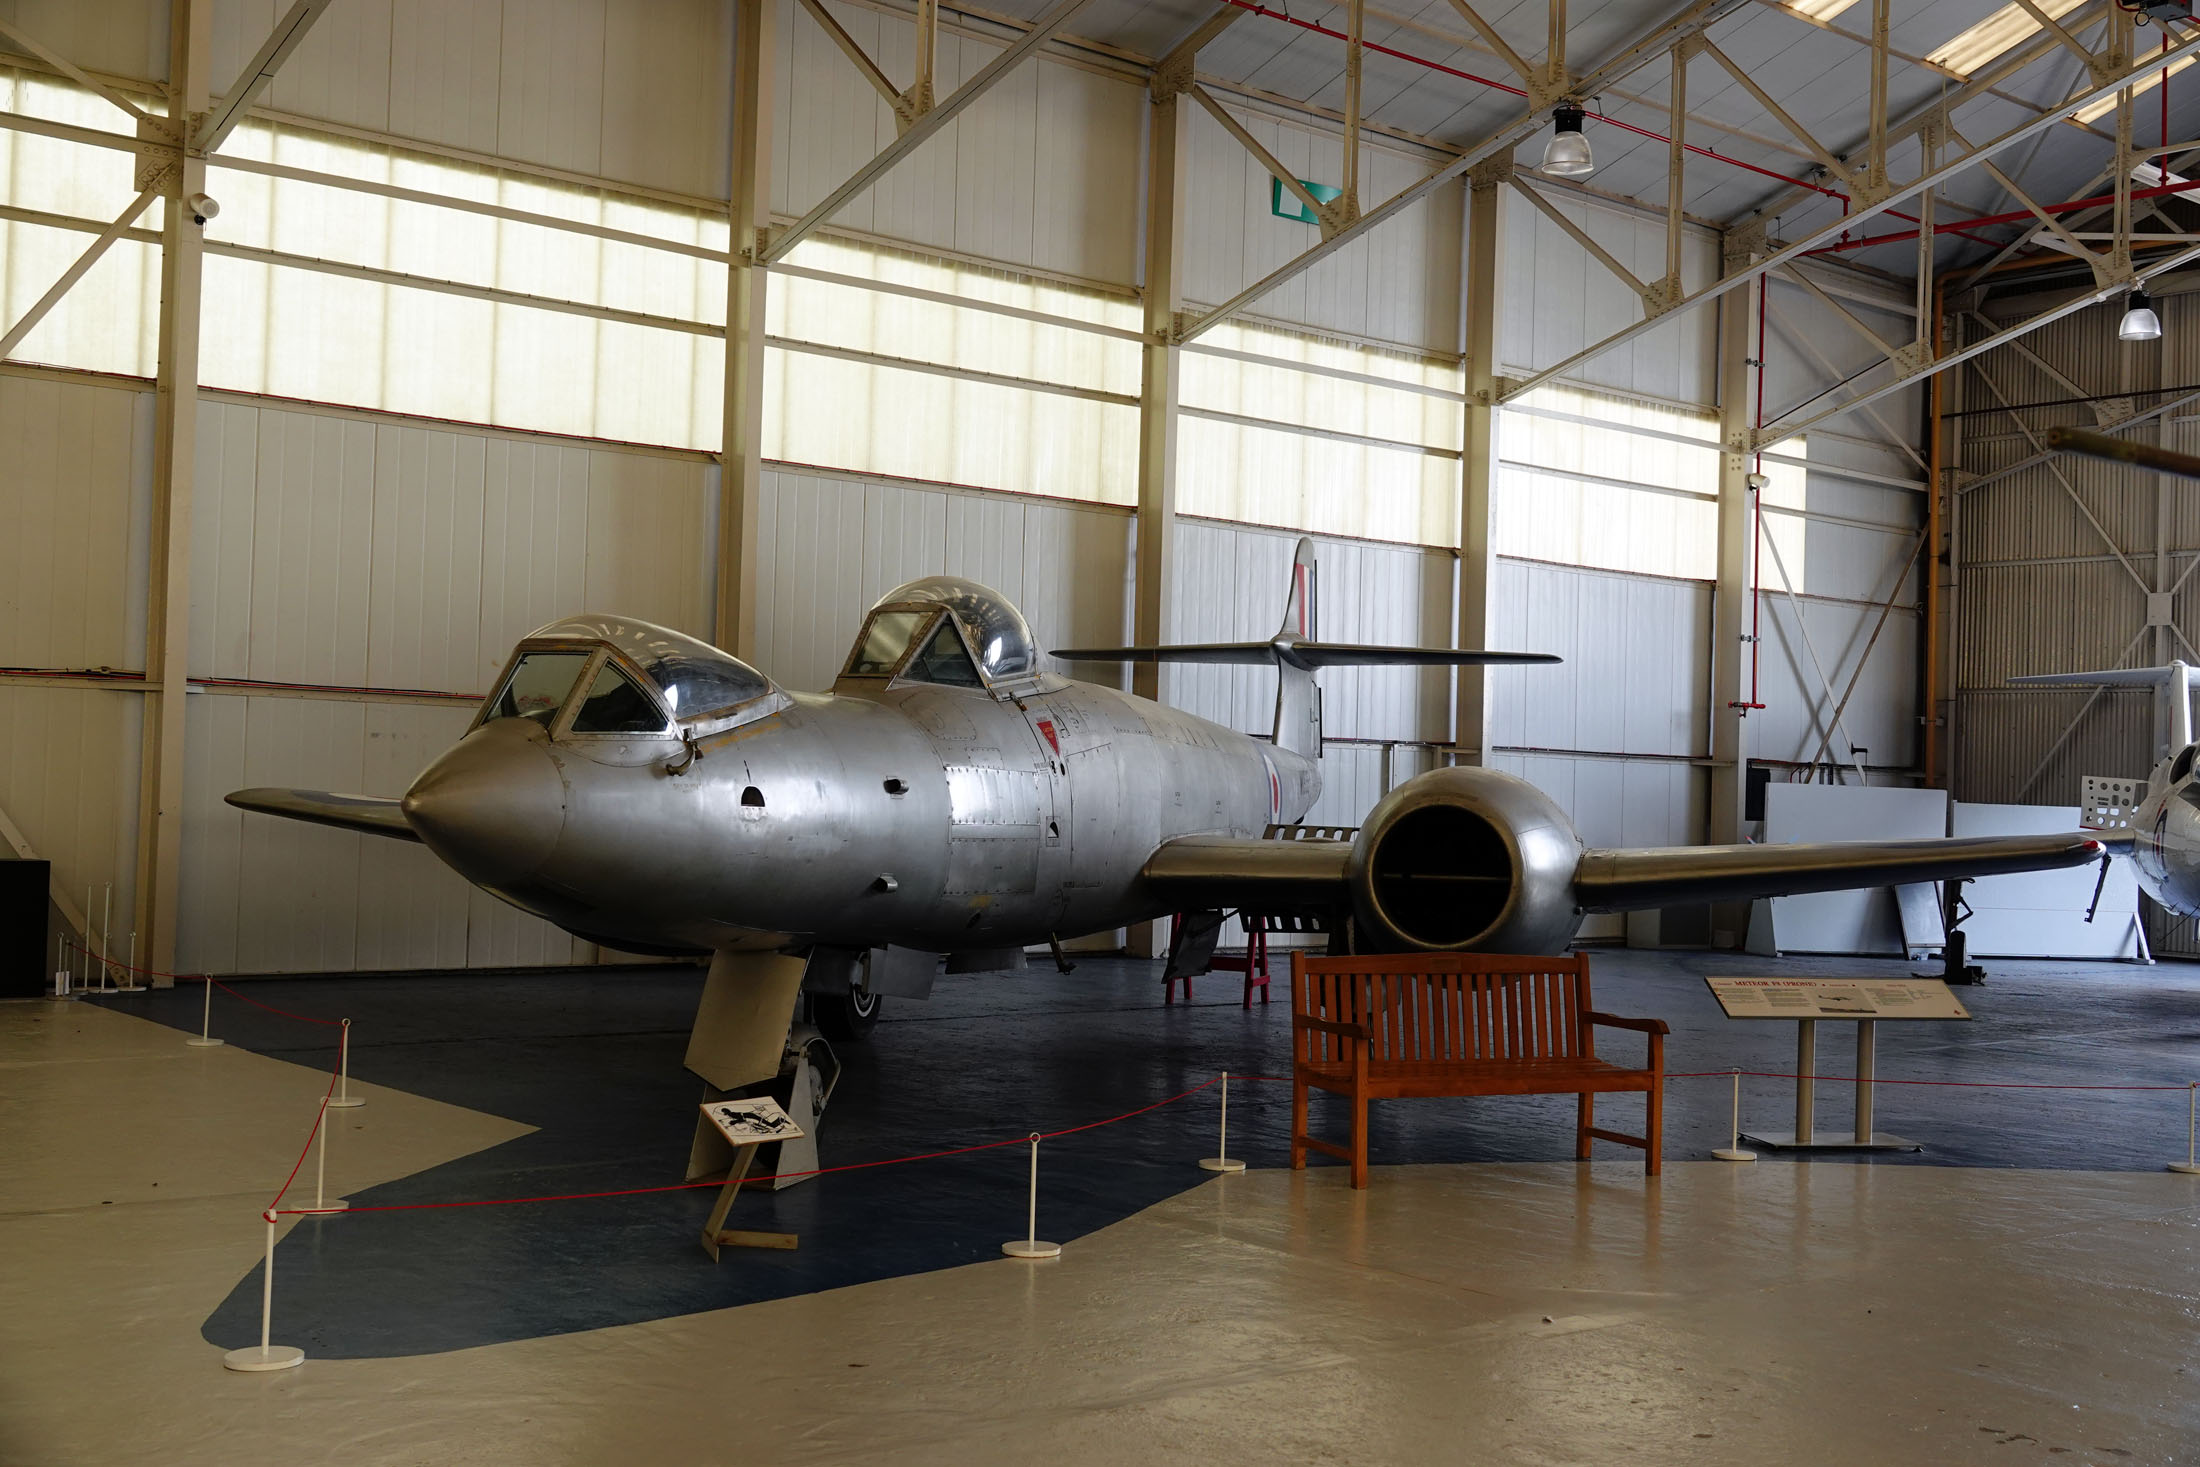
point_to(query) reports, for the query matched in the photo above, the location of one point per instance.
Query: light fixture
(1567, 153)
(2140, 322)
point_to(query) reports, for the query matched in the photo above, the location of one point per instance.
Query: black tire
(845, 1017)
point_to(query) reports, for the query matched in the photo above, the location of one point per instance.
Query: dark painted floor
(593, 1060)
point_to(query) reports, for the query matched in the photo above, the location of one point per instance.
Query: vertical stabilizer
(2172, 697)
(1298, 700)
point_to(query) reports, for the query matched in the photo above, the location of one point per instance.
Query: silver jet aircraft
(950, 795)
(2155, 821)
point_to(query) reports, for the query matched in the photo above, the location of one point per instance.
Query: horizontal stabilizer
(366, 814)
(1619, 881)
(1308, 656)
(2117, 677)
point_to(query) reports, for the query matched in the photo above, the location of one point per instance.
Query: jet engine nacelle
(1465, 859)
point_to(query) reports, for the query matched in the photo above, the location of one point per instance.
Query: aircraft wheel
(845, 1017)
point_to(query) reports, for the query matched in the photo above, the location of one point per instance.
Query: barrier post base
(2186, 1167)
(263, 1357)
(340, 1102)
(329, 1208)
(1832, 1141)
(1734, 1153)
(1031, 1248)
(198, 1041)
(1222, 1164)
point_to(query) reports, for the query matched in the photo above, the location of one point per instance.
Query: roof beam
(223, 118)
(1931, 178)
(922, 130)
(1689, 20)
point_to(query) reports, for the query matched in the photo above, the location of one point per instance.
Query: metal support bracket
(160, 152)
(1660, 296)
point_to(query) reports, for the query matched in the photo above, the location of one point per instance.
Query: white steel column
(1733, 690)
(741, 446)
(175, 455)
(1478, 460)
(1161, 364)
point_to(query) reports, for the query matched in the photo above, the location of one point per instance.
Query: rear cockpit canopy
(613, 675)
(946, 630)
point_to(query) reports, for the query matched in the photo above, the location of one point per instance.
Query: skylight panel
(2009, 26)
(2143, 84)
(1820, 10)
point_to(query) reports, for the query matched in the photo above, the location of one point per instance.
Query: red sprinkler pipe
(1252, 7)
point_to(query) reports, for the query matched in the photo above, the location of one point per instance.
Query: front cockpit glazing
(604, 675)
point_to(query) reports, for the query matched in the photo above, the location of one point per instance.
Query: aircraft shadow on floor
(593, 1062)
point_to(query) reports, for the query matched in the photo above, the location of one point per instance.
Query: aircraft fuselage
(923, 816)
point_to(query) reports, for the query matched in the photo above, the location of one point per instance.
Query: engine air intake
(1442, 875)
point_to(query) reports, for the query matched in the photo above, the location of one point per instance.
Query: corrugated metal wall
(2040, 588)
(1399, 284)
(1564, 300)
(833, 545)
(75, 495)
(1041, 172)
(636, 93)
(2041, 558)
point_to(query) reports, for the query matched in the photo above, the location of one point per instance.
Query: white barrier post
(1029, 1246)
(266, 1356)
(343, 1099)
(2189, 1166)
(320, 1170)
(206, 1020)
(130, 983)
(1732, 1151)
(1222, 1161)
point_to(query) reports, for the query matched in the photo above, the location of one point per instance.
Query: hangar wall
(2068, 564)
(387, 561)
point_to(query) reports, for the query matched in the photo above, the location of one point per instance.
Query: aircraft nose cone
(492, 806)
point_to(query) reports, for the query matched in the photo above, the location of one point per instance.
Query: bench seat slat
(1456, 1025)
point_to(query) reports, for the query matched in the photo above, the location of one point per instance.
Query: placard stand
(746, 1124)
(1862, 1001)
(1805, 1136)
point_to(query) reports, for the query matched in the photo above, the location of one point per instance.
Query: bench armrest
(1328, 1026)
(1614, 1021)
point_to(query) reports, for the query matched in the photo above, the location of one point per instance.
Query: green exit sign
(1285, 205)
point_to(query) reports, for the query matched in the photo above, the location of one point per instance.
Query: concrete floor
(1483, 1308)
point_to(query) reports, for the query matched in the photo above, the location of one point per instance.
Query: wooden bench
(1442, 1024)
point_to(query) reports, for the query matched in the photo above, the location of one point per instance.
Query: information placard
(1836, 998)
(747, 1122)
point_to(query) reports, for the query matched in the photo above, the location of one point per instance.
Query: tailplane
(2172, 697)
(1297, 654)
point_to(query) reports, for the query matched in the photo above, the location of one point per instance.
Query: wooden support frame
(717, 1235)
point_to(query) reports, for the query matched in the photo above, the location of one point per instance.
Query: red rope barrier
(854, 1166)
(198, 978)
(318, 1120)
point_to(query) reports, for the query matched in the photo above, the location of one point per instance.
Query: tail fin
(2172, 697)
(1297, 656)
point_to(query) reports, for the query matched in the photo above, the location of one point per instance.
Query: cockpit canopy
(944, 629)
(612, 675)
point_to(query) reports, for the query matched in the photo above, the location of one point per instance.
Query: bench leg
(1653, 1129)
(1359, 1140)
(1585, 1116)
(1298, 1125)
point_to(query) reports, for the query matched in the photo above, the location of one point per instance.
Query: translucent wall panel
(1595, 480)
(1345, 457)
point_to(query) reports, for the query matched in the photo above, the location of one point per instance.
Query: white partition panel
(2042, 914)
(1861, 921)
(834, 545)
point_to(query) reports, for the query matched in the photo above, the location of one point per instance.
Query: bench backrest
(1444, 1006)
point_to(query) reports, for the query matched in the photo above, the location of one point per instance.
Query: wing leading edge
(366, 814)
(1216, 871)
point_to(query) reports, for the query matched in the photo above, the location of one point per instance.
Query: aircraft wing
(366, 814)
(1619, 881)
(1196, 871)
(1217, 871)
